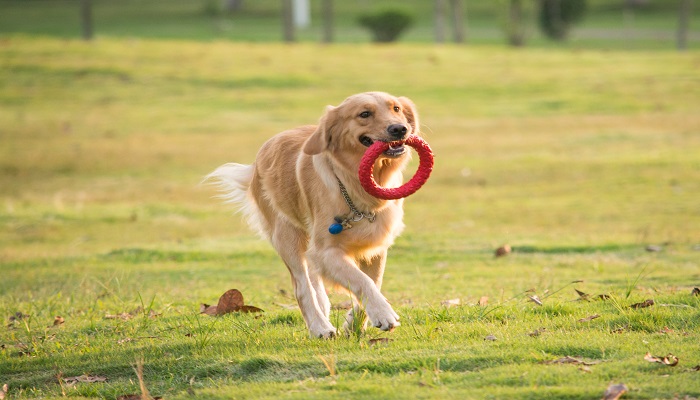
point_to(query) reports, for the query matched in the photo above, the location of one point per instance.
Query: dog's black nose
(397, 131)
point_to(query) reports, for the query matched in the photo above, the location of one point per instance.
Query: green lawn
(578, 159)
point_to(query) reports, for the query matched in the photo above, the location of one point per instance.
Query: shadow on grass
(606, 248)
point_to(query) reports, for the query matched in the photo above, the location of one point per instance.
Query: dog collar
(341, 223)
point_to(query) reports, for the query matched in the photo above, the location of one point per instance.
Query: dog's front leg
(339, 267)
(374, 268)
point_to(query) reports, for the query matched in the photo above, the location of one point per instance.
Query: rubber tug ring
(425, 167)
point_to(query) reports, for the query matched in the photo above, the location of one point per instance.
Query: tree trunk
(288, 20)
(440, 21)
(458, 21)
(516, 34)
(86, 18)
(683, 25)
(327, 21)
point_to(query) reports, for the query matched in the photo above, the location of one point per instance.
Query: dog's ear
(409, 110)
(321, 139)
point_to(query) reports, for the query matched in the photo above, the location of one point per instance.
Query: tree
(557, 16)
(516, 27)
(458, 31)
(288, 20)
(86, 18)
(386, 25)
(683, 23)
(327, 21)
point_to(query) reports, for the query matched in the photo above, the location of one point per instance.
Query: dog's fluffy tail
(233, 181)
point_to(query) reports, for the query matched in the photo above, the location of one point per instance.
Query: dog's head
(348, 129)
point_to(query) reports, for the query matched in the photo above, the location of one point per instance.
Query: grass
(577, 159)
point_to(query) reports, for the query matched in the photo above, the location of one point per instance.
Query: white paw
(323, 331)
(383, 317)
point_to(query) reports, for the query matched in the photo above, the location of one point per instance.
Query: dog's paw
(323, 332)
(385, 320)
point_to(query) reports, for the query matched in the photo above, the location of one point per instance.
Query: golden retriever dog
(305, 179)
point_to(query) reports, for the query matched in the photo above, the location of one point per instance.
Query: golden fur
(291, 196)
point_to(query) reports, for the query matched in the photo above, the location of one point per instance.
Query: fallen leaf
(207, 309)
(503, 251)
(695, 292)
(585, 368)
(535, 299)
(582, 295)
(483, 301)
(669, 359)
(571, 360)
(122, 316)
(374, 342)
(666, 330)
(614, 391)
(490, 337)
(229, 302)
(652, 248)
(644, 304)
(591, 318)
(84, 379)
(18, 316)
(604, 296)
(249, 309)
(451, 302)
(537, 332)
(58, 320)
(3, 391)
(620, 329)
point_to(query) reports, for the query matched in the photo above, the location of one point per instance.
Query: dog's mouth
(395, 149)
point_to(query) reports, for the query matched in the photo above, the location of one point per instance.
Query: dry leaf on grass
(58, 320)
(231, 301)
(483, 301)
(3, 391)
(695, 292)
(644, 304)
(582, 295)
(535, 299)
(669, 359)
(614, 391)
(451, 302)
(537, 332)
(491, 338)
(133, 313)
(503, 251)
(588, 319)
(374, 342)
(571, 360)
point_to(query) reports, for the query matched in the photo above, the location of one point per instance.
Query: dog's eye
(397, 109)
(365, 114)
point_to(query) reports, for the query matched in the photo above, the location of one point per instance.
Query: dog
(305, 179)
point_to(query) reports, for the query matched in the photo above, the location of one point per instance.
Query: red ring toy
(425, 167)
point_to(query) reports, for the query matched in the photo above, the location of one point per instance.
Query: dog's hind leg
(290, 243)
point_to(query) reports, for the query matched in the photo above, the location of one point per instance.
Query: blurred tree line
(555, 18)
